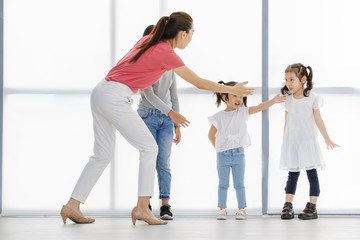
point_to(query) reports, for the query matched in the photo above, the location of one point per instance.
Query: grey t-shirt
(162, 95)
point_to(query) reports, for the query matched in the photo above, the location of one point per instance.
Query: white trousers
(111, 110)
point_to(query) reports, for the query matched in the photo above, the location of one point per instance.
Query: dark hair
(148, 30)
(166, 28)
(219, 96)
(300, 71)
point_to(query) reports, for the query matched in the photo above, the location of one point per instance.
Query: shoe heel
(64, 216)
(133, 217)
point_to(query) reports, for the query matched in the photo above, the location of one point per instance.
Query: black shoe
(165, 212)
(309, 212)
(287, 212)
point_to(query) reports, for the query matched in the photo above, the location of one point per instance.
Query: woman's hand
(177, 138)
(178, 119)
(240, 90)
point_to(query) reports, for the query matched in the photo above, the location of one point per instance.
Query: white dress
(300, 149)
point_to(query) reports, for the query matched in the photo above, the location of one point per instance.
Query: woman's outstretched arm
(191, 77)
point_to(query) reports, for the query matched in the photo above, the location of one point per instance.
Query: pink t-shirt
(151, 65)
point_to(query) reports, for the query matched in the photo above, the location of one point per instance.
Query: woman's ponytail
(166, 28)
(157, 33)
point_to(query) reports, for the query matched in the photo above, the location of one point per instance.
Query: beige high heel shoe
(67, 212)
(150, 219)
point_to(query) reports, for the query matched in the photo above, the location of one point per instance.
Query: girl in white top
(300, 149)
(228, 134)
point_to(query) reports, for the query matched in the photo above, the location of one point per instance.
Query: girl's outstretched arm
(189, 76)
(265, 105)
(211, 134)
(321, 125)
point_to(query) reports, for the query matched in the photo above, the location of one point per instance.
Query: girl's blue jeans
(161, 127)
(233, 159)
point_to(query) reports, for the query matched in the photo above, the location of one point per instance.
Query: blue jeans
(231, 159)
(161, 127)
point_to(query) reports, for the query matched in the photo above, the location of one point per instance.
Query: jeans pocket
(143, 113)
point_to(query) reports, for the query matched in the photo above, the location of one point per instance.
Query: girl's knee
(312, 175)
(239, 186)
(223, 185)
(293, 176)
(163, 167)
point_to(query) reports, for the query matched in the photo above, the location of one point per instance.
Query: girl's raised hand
(240, 90)
(178, 119)
(279, 98)
(330, 144)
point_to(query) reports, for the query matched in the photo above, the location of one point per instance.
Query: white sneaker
(241, 214)
(222, 215)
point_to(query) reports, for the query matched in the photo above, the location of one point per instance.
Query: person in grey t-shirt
(156, 104)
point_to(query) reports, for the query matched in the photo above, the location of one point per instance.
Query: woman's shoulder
(141, 41)
(163, 47)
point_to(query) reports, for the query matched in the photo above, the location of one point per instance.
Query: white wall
(56, 51)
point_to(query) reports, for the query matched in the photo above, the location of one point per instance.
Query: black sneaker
(287, 212)
(309, 212)
(165, 212)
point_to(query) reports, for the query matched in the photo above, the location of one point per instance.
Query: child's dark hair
(148, 30)
(300, 71)
(219, 96)
(166, 28)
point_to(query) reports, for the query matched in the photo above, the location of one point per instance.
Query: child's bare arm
(265, 105)
(211, 134)
(321, 125)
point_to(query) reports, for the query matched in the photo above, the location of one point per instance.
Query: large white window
(319, 34)
(56, 51)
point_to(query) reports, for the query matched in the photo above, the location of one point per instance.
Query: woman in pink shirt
(111, 101)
